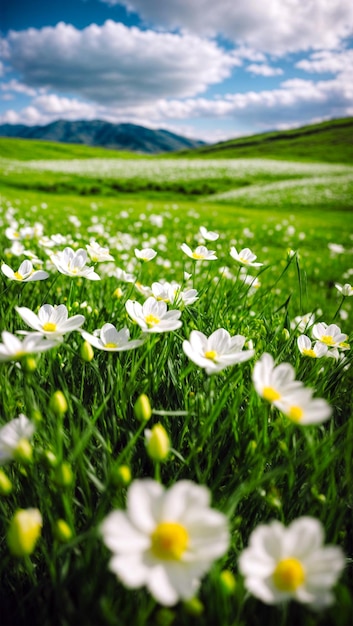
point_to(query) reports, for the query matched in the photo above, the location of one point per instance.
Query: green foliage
(257, 463)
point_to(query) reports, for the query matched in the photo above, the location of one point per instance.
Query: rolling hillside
(330, 142)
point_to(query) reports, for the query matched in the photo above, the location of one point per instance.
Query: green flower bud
(227, 581)
(194, 607)
(5, 484)
(29, 364)
(23, 452)
(86, 352)
(142, 408)
(63, 475)
(157, 443)
(121, 475)
(24, 532)
(62, 531)
(58, 403)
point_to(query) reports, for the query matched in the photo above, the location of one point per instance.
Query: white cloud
(327, 61)
(263, 69)
(115, 64)
(294, 103)
(274, 26)
(15, 86)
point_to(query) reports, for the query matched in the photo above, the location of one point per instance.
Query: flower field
(176, 430)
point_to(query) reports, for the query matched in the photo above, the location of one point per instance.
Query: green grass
(257, 464)
(28, 149)
(329, 142)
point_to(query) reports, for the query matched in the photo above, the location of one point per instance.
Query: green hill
(330, 142)
(32, 149)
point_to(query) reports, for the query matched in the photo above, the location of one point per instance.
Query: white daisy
(166, 540)
(12, 434)
(201, 253)
(308, 348)
(245, 257)
(51, 321)
(153, 316)
(25, 273)
(216, 352)
(281, 563)
(73, 263)
(12, 349)
(108, 338)
(273, 383)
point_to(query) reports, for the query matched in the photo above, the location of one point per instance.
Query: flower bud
(194, 607)
(62, 531)
(142, 408)
(121, 475)
(5, 484)
(118, 293)
(58, 403)
(23, 452)
(285, 334)
(227, 581)
(86, 352)
(24, 531)
(157, 443)
(50, 458)
(63, 475)
(29, 364)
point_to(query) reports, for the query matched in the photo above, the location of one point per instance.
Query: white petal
(121, 536)
(143, 502)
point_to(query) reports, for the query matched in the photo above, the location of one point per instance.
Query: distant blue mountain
(99, 133)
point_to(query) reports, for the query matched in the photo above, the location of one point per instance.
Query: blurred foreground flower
(216, 352)
(153, 316)
(112, 340)
(15, 437)
(281, 563)
(51, 321)
(167, 539)
(25, 273)
(73, 263)
(12, 349)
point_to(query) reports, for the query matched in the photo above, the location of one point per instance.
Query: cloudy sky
(203, 68)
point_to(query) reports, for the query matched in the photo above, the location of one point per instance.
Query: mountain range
(104, 134)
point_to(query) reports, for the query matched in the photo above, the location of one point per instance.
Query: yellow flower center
(18, 276)
(152, 320)
(288, 575)
(328, 340)
(295, 413)
(211, 354)
(110, 345)
(196, 255)
(270, 394)
(242, 260)
(309, 352)
(49, 327)
(169, 541)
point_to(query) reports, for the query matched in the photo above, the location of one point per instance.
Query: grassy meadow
(81, 452)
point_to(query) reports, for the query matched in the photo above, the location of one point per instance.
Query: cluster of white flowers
(328, 340)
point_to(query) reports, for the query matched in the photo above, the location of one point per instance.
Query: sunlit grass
(258, 464)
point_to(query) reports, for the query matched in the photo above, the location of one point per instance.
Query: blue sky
(205, 69)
